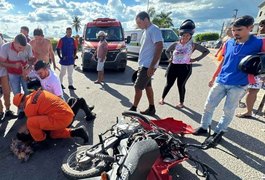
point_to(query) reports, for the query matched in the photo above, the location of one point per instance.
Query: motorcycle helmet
(134, 76)
(253, 64)
(187, 26)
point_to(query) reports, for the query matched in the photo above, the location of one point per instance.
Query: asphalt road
(245, 137)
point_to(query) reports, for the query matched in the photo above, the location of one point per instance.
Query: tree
(151, 11)
(206, 37)
(76, 23)
(163, 20)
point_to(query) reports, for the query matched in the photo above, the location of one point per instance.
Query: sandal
(242, 105)
(180, 106)
(243, 115)
(161, 102)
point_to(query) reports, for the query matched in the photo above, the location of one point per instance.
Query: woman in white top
(180, 67)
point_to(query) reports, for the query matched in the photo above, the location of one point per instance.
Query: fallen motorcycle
(139, 149)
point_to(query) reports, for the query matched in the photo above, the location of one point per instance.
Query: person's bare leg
(6, 91)
(150, 95)
(102, 76)
(250, 101)
(99, 79)
(137, 96)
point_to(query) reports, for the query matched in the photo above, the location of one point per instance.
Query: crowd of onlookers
(29, 64)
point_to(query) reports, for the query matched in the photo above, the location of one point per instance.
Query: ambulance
(117, 54)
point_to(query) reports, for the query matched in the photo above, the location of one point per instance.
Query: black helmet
(187, 26)
(134, 76)
(253, 64)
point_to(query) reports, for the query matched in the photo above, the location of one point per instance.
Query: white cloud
(47, 3)
(5, 6)
(55, 15)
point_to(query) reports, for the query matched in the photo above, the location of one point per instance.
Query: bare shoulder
(32, 42)
(47, 40)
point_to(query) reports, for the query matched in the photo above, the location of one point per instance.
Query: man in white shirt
(149, 56)
(50, 82)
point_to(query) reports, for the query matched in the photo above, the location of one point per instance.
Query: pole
(222, 30)
(235, 15)
(147, 5)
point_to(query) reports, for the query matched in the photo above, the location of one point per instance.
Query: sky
(53, 16)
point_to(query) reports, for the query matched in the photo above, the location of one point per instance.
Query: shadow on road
(110, 76)
(180, 172)
(237, 137)
(245, 156)
(123, 99)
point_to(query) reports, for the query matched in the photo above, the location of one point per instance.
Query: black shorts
(142, 80)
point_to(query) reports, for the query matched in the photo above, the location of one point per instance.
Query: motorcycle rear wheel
(75, 170)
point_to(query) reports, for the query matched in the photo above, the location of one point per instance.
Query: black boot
(91, 116)
(80, 132)
(150, 111)
(133, 108)
(213, 140)
(200, 131)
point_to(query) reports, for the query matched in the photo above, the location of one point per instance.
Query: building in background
(260, 16)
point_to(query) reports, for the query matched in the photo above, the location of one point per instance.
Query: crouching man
(47, 112)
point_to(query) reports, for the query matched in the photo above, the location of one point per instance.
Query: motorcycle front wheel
(76, 164)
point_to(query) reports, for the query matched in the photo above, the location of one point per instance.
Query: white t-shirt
(150, 36)
(51, 83)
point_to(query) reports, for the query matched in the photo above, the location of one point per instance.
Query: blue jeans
(16, 81)
(233, 93)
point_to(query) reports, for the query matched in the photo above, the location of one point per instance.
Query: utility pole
(235, 13)
(222, 30)
(147, 5)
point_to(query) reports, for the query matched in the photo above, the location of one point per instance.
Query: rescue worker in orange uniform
(48, 112)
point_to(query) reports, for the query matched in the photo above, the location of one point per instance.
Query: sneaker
(91, 107)
(200, 131)
(71, 87)
(149, 112)
(213, 140)
(133, 108)
(91, 117)
(21, 115)
(10, 114)
(80, 132)
(62, 86)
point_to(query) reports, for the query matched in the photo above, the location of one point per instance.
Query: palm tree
(76, 23)
(151, 11)
(163, 20)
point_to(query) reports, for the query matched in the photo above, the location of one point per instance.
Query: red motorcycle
(139, 149)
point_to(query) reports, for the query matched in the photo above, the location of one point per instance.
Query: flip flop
(161, 102)
(180, 106)
(243, 115)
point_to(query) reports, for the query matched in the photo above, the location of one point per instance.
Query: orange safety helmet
(17, 99)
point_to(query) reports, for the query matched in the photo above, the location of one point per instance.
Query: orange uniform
(47, 112)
